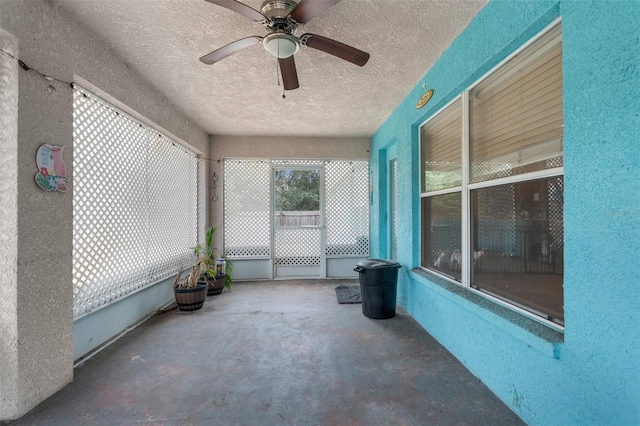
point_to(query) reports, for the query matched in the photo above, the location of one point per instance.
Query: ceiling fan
(282, 18)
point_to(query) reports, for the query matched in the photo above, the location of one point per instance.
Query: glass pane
(297, 197)
(441, 234)
(516, 114)
(441, 147)
(517, 240)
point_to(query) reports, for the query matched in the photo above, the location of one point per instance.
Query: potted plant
(190, 292)
(217, 269)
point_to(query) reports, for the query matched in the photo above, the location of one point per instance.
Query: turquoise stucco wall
(591, 374)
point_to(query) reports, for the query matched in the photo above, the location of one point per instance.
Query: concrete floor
(272, 353)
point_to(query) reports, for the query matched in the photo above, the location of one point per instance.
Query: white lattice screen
(297, 163)
(298, 247)
(347, 208)
(394, 207)
(135, 204)
(247, 209)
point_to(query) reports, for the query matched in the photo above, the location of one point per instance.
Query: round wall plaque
(424, 99)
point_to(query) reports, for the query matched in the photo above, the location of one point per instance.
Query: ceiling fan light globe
(281, 45)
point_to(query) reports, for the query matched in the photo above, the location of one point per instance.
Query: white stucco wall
(8, 222)
(36, 226)
(275, 147)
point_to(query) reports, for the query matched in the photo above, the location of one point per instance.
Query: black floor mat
(348, 294)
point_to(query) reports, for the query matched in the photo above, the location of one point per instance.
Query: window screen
(135, 204)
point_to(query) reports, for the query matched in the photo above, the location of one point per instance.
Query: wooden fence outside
(296, 218)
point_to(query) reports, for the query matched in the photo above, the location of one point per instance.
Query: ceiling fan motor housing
(274, 9)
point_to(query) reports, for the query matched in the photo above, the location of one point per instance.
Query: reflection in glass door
(298, 222)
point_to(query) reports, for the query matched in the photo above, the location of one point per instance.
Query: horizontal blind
(516, 114)
(441, 140)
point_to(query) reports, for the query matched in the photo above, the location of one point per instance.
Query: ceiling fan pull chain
(278, 71)
(278, 76)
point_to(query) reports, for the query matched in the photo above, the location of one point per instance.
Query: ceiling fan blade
(306, 10)
(230, 49)
(335, 48)
(289, 73)
(240, 8)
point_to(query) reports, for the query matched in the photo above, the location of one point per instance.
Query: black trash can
(378, 285)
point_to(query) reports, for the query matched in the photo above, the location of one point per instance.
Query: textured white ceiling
(164, 39)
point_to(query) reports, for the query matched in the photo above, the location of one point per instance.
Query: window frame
(443, 191)
(467, 186)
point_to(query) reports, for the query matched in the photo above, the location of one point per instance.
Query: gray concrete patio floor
(272, 353)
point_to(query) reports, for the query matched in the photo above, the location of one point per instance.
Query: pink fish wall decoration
(52, 171)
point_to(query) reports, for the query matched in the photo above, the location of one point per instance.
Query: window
(492, 183)
(135, 204)
(440, 142)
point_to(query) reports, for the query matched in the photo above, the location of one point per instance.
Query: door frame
(322, 221)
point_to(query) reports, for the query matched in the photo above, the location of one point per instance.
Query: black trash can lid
(378, 264)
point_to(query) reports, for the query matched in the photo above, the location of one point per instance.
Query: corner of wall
(9, 380)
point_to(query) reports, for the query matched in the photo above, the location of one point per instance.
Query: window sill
(533, 333)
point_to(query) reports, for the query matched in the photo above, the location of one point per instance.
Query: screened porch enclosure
(139, 207)
(295, 218)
